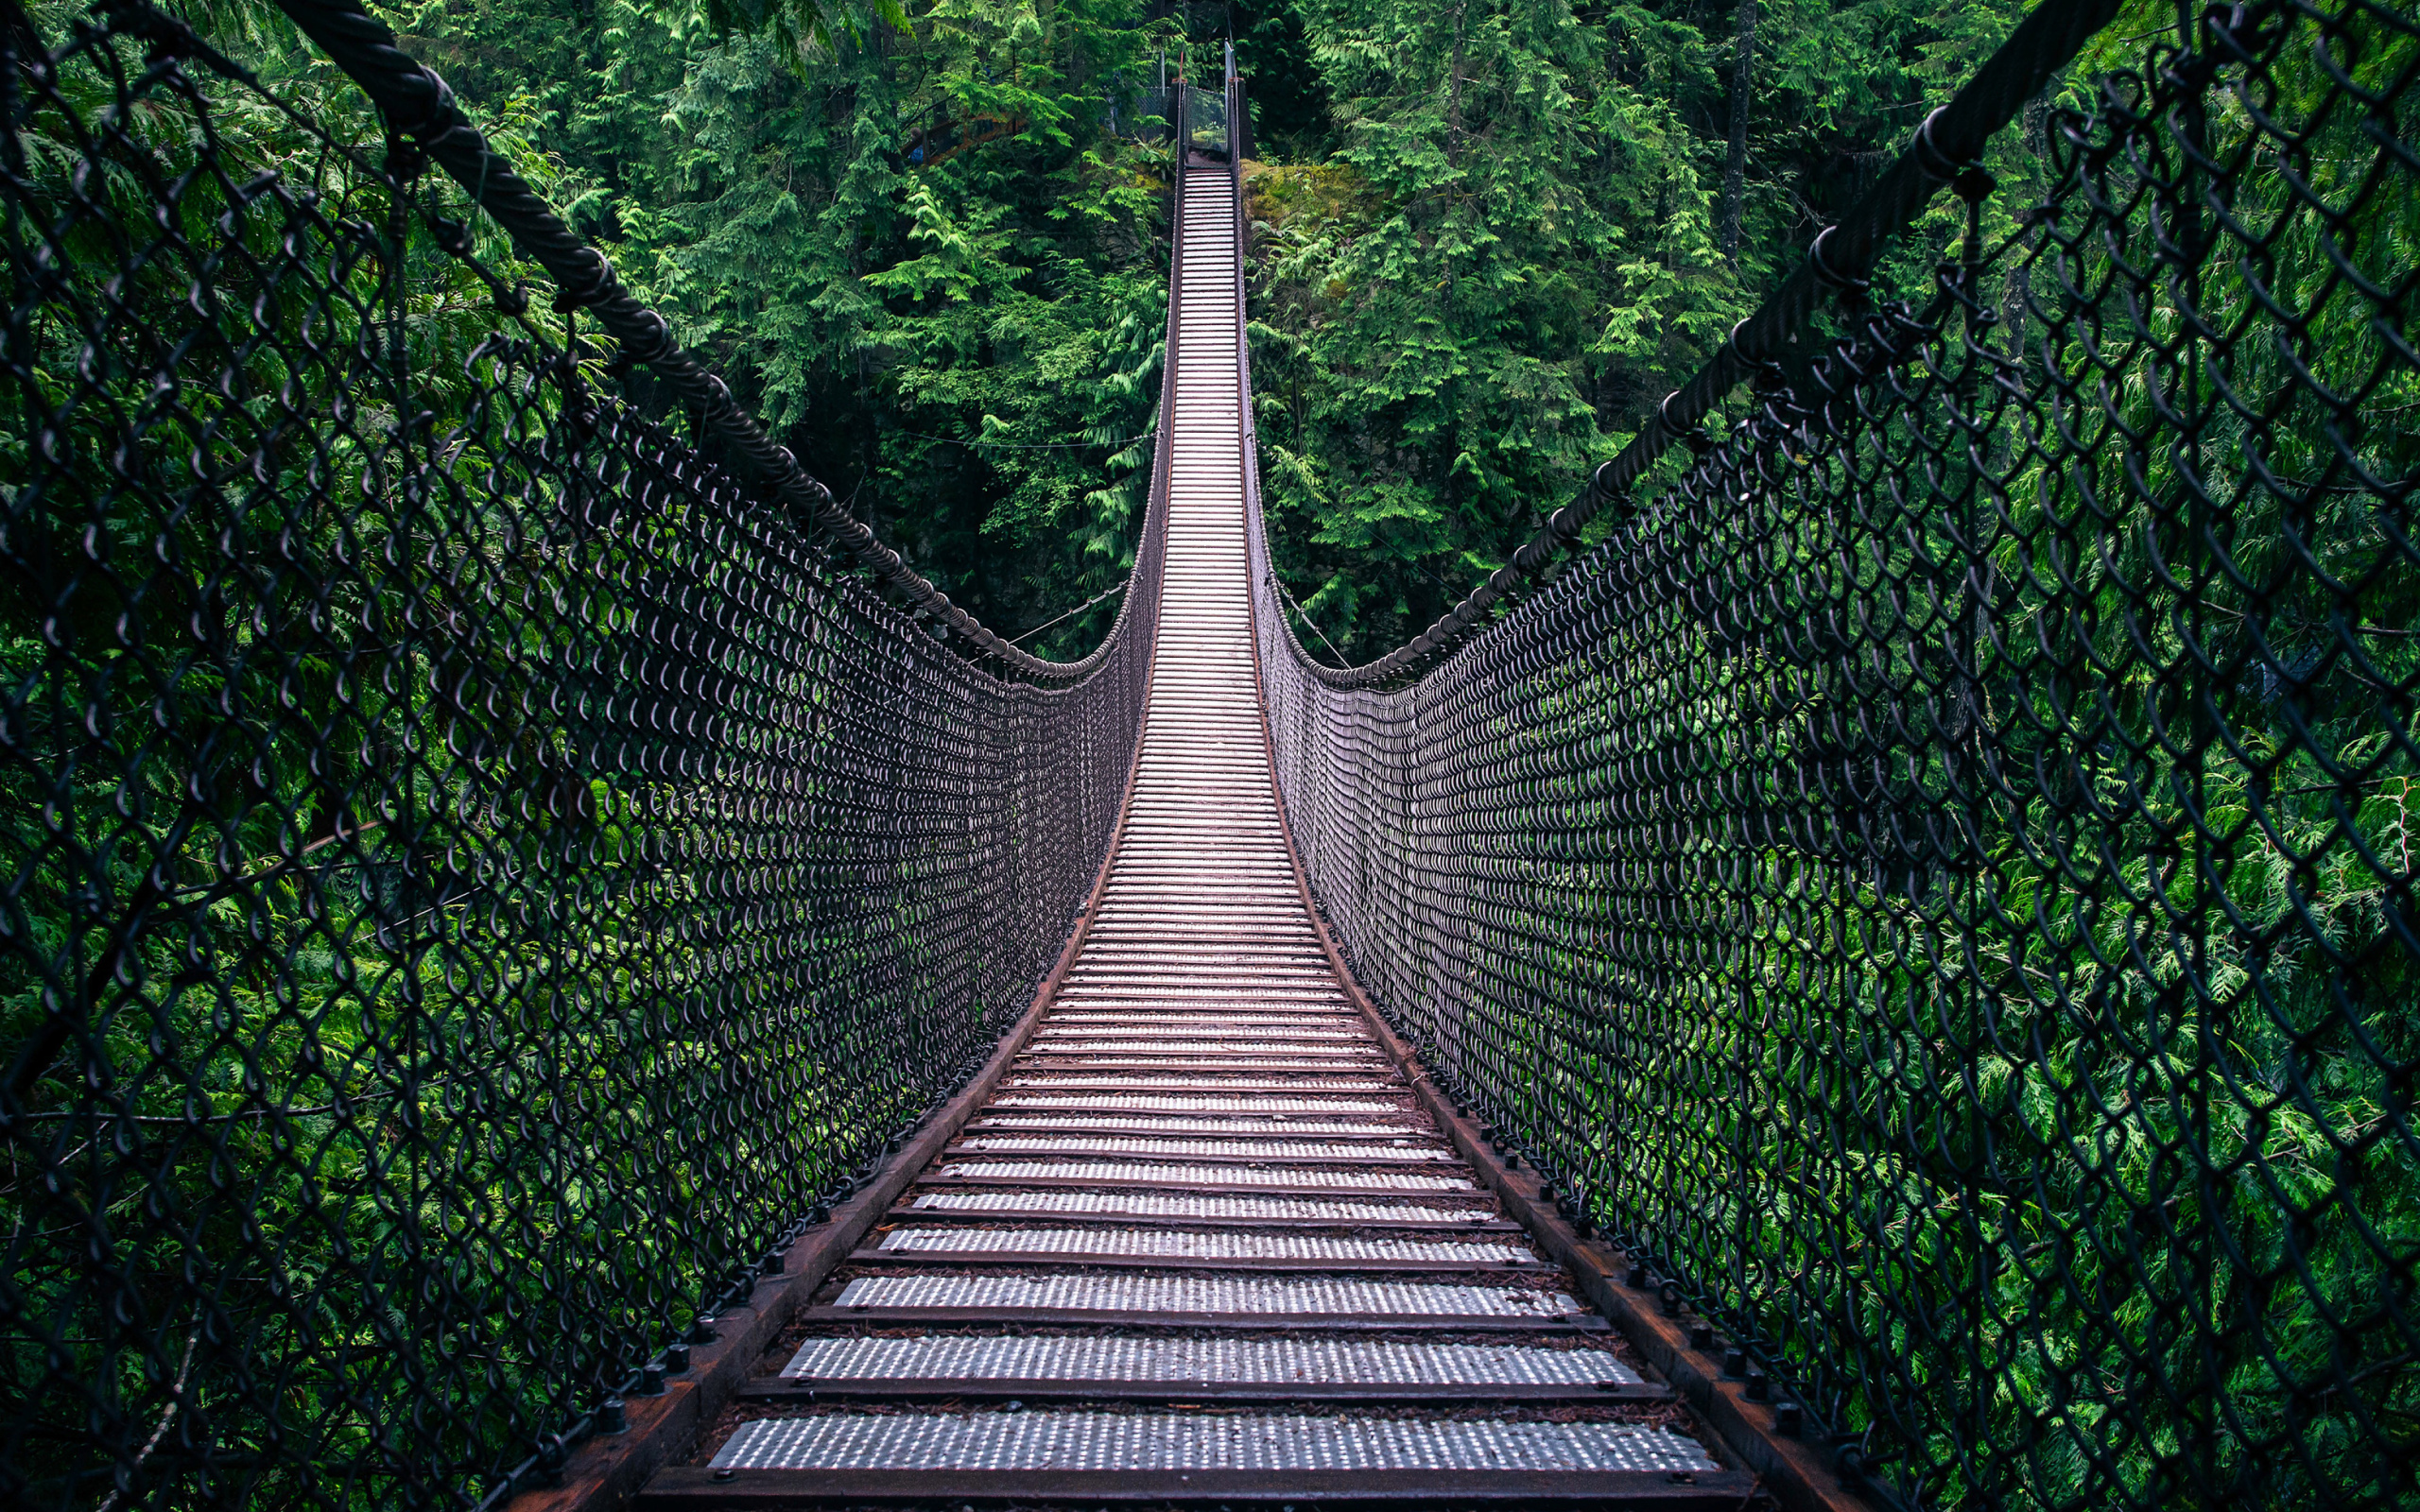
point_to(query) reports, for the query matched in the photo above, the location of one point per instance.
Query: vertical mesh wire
(474, 875)
(1939, 880)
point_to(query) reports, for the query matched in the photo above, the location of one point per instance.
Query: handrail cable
(1105, 592)
(1305, 615)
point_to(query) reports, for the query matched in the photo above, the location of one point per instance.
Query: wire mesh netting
(1939, 880)
(1205, 118)
(477, 873)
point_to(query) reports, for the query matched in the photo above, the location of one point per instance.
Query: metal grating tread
(1158, 1027)
(1181, 1441)
(1197, 1175)
(1258, 1295)
(1193, 1205)
(1138, 1121)
(1120, 1052)
(1141, 1017)
(1267, 1150)
(1226, 1360)
(1143, 1103)
(1038, 1079)
(1374, 1064)
(1177, 1244)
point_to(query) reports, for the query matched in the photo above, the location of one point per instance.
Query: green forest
(929, 247)
(469, 990)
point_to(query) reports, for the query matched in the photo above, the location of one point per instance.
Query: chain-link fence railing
(478, 872)
(1938, 884)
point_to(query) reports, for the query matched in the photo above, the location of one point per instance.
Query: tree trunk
(1735, 171)
(2017, 294)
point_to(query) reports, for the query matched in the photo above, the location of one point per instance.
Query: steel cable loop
(1931, 884)
(478, 874)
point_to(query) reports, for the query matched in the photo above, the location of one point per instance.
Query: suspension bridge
(1869, 966)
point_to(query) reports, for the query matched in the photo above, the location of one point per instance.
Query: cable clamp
(1937, 163)
(590, 287)
(1820, 262)
(1763, 371)
(428, 125)
(1692, 437)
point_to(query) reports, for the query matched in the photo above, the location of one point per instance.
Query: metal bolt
(676, 1359)
(609, 1416)
(702, 1331)
(1790, 1419)
(1700, 1335)
(722, 1472)
(1735, 1361)
(652, 1381)
(1637, 1276)
(1759, 1385)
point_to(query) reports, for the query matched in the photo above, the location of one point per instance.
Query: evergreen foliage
(927, 245)
(1517, 251)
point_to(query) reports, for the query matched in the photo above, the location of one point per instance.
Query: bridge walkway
(1201, 1246)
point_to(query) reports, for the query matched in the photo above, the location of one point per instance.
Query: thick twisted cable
(2041, 45)
(417, 103)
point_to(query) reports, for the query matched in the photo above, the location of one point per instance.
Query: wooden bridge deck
(1201, 1246)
